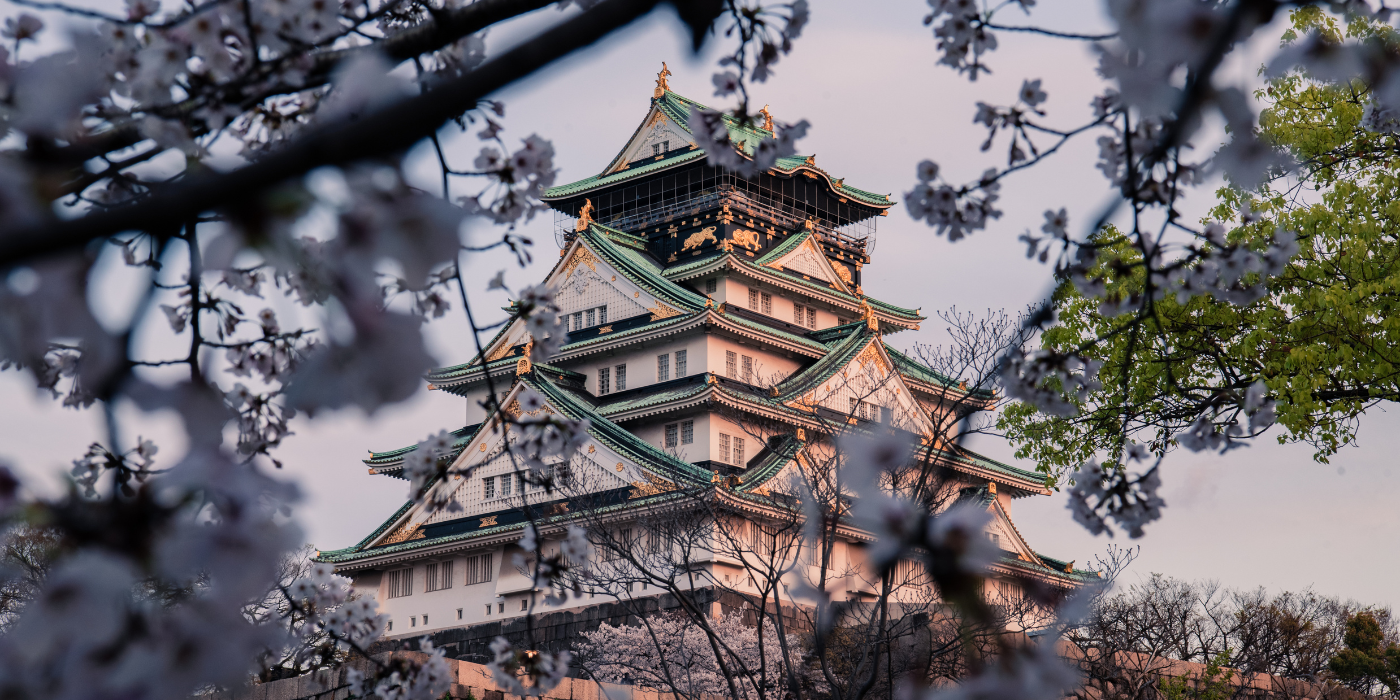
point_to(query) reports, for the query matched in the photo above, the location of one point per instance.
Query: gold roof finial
(585, 216)
(767, 118)
(661, 85)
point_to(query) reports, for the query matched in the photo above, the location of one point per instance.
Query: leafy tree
(1368, 659)
(1322, 342)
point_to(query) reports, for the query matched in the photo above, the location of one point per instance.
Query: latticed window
(672, 432)
(753, 300)
(765, 303)
(687, 432)
(731, 362)
(400, 583)
(479, 570)
(505, 484)
(811, 317)
(488, 487)
(439, 576)
(738, 451)
(724, 448)
(748, 368)
(621, 377)
(663, 367)
(604, 376)
(680, 364)
(711, 285)
(589, 317)
(797, 314)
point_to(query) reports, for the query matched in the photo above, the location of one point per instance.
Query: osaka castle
(717, 339)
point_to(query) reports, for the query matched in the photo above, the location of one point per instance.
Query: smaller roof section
(664, 140)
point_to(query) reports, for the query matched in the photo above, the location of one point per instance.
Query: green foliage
(1326, 338)
(1367, 659)
(1213, 684)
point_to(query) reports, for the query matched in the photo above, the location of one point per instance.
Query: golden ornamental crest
(661, 85)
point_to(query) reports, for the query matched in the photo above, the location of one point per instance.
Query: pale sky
(864, 75)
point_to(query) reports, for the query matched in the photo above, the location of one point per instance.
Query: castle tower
(716, 328)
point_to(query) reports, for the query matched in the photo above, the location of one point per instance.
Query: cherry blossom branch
(388, 130)
(1052, 33)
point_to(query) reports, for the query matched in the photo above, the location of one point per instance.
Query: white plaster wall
(769, 366)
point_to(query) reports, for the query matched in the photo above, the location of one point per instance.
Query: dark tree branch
(383, 132)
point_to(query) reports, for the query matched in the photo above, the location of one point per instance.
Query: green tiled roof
(972, 458)
(639, 267)
(910, 367)
(790, 337)
(576, 406)
(461, 436)
(787, 246)
(678, 109)
(646, 400)
(599, 181)
(838, 356)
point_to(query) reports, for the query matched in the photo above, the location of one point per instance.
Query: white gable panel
(869, 379)
(808, 262)
(588, 289)
(660, 135)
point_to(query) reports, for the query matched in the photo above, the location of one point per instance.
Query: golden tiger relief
(746, 238)
(699, 237)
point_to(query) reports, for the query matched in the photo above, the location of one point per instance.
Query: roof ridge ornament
(767, 119)
(661, 84)
(585, 216)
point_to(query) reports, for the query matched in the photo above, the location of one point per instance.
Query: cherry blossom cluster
(545, 670)
(1131, 502)
(748, 158)
(953, 211)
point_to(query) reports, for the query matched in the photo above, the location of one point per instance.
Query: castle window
(602, 315)
(578, 321)
(672, 432)
(766, 303)
(687, 432)
(680, 364)
(500, 607)
(588, 317)
(478, 569)
(711, 285)
(603, 375)
(488, 487)
(724, 448)
(439, 578)
(663, 367)
(425, 620)
(413, 621)
(488, 608)
(731, 362)
(459, 613)
(524, 604)
(738, 452)
(400, 583)
(811, 317)
(753, 300)
(748, 369)
(621, 377)
(505, 484)
(797, 313)
(390, 627)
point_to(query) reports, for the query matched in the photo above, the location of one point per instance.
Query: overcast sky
(865, 75)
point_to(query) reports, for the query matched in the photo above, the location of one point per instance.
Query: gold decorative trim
(605, 329)
(802, 435)
(661, 311)
(619, 466)
(661, 85)
(767, 118)
(652, 486)
(404, 533)
(488, 521)
(582, 256)
(522, 366)
(585, 216)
